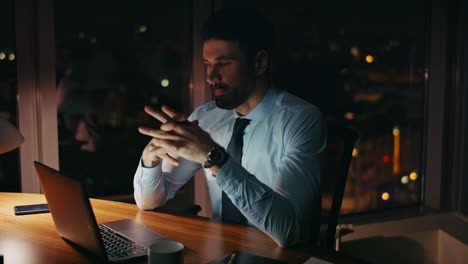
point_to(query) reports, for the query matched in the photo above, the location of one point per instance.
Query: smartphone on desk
(31, 209)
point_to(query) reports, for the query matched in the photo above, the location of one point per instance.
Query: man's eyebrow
(222, 58)
(226, 58)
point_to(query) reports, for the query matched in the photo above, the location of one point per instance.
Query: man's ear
(262, 62)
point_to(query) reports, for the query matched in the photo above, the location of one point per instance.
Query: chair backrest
(336, 161)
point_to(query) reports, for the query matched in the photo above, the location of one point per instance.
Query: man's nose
(213, 76)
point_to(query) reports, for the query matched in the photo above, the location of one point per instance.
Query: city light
(2, 55)
(81, 35)
(413, 176)
(396, 150)
(142, 29)
(11, 57)
(369, 59)
(93, 40)
(355, 152)
(164, 82)
(404, 179)
(386, 159)
(349, 115)
(385, 196)
(355, 51)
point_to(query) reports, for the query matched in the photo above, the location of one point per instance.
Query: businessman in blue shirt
(259, 146)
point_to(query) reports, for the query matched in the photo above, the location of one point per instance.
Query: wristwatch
(216, 157)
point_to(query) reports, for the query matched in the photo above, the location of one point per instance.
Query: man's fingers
(166, 115)
(168, 158)
(165, 143)
(156, 133)
(173, 114)
(163, 154)
(174, 126)
(151, 148)
(162, 117)
(169, 111)
(158, 153)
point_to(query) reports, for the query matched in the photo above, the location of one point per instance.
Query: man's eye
(224, 63)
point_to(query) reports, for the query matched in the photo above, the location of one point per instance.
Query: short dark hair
(249, 28)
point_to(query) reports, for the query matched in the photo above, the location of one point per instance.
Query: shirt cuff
(149, 175)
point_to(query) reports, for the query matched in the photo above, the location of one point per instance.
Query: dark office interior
(76, 75)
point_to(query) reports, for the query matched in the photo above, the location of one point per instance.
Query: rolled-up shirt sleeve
(148, 185)
(288, 210)
(153, 187)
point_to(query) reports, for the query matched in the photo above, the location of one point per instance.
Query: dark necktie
(230, 213)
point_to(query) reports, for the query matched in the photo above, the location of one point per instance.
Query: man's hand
(176, 135)
(153, 152)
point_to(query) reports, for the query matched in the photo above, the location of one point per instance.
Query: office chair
(171, 207)
(179, 208)
(335, 162)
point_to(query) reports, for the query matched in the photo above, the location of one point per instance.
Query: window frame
(37, 109)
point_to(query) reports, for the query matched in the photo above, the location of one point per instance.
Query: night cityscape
(361, 69)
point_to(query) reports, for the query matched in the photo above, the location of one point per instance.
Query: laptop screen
(71, 210)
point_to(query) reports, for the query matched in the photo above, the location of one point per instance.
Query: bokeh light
(385, 196)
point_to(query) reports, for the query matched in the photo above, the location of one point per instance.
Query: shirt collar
(264, 108)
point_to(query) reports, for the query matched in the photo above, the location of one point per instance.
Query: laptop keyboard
(118, 246)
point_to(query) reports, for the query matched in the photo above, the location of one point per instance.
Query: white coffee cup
(167, 252)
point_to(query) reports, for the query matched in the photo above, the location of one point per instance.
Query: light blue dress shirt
(277, 186)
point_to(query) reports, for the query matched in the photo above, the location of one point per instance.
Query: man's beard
(230, 99)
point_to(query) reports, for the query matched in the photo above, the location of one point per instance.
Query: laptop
(117, 241)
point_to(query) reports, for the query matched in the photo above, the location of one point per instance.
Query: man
(260, 146)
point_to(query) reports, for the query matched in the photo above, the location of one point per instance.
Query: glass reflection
(113, 59)
(364, 68)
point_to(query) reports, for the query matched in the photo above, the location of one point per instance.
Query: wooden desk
(33, 239)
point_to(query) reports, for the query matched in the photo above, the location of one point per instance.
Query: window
(113, 58)
(9, 162)
(363, 64)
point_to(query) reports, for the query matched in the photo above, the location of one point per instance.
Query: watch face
(217, 156)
